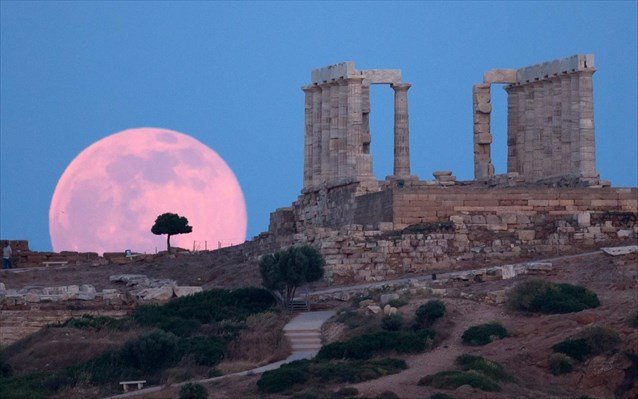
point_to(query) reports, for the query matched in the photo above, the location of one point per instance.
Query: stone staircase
(304, 332)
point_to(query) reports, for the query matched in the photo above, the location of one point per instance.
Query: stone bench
(55, 262)
(125, 384)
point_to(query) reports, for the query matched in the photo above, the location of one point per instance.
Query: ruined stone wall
(413, 205)
(419, 228)
(18, 323)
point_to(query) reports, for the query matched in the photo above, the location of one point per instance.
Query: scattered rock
(185, 291)
(615, 251)
(374, 309)
(385, 298)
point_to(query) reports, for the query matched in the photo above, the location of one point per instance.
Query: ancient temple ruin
(337, 130)
(550, 124)
(551, 199)
(550, 120)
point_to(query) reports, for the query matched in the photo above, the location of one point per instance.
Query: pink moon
(110, 195)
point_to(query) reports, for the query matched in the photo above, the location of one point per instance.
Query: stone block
(625, 233)
(539, 266)
(508, 271)
(156, 294)
(500, 76)
(526, 235)
(386, 298)
(374, 309)
(186, 290)
(583, 219)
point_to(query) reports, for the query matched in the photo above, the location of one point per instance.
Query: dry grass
(262, 341)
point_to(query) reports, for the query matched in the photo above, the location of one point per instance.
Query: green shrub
(179, 326)
(208, 306)
(387, 395)
(590, 342)
(152, 351)
(312, 394)
(282, 378)
(483, 334)
(24, 387)
(5, 368)
(485, 366)
(560, 363)
(545, 297)
(429, 312)
(368, 345)
(320, 372)
(204, 350)
(440, 395)
(97, 323)
(454, 379)
(392, 322)
(193, 391)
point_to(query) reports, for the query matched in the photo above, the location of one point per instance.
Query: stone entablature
(550, 114)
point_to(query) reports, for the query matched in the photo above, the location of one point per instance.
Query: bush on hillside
(392, 322)
(483, 334)
(152, 351)
(440, 395)
(193, 391)
(368, 345)
(545, 297)
(454, 379)
(590, 342)
(207, 307)
(321, 372)
(485, 366)
(429, 312)
(559, 363)
(5, 368)
(206, 351)
(387, 395)
(98, 323)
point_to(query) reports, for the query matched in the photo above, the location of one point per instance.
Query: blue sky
(229, 74)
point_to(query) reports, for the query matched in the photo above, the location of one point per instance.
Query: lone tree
(284, 271)
(171, 224)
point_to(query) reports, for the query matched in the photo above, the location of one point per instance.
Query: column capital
(400, 86)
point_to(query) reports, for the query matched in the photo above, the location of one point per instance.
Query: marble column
(482, 107)
(308, 136)
(401, 131)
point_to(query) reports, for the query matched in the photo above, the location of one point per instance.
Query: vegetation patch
(317, 372)
(440, 395)
(429, 312)
(545, 297)
(392, 322)
(195, 328)
(483, 334)
(590, 342)
(97, 323)
(454, 379)
(560, 363)
(368, 345)
(485, 366)
(193, 391)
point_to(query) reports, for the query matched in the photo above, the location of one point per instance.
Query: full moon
(110, 195)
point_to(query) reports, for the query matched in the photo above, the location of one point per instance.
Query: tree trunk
(168, 243)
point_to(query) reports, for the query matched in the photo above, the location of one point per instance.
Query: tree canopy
(170, 224)
(284, 271)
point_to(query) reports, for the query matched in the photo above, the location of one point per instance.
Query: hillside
(524, 354)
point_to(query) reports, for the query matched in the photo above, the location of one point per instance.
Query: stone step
(302, 335)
